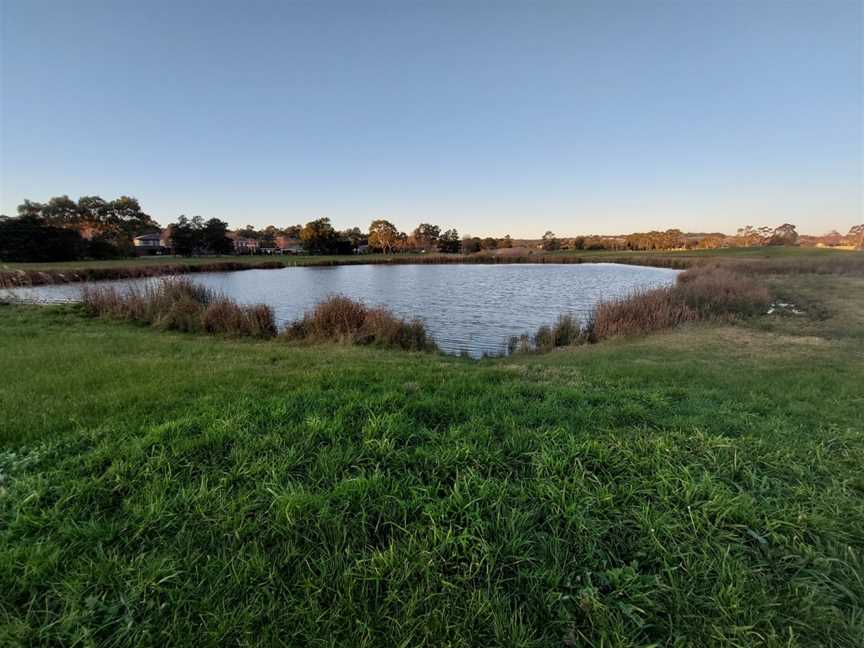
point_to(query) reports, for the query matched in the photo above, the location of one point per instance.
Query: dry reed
(343, 320)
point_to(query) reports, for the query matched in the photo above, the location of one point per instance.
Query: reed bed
(342, 320)
(178, 304)
(181, 305)
(701, 293)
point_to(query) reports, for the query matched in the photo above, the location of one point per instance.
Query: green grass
(697, 487)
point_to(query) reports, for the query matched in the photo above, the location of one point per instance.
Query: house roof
(152, 236)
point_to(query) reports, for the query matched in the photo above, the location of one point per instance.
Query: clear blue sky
(491, 117)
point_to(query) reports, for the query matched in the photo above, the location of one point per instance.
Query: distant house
(287, 245)
(363, 248)
(243, 245)
(151, 244)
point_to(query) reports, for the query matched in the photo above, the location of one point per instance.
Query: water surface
(467, 308)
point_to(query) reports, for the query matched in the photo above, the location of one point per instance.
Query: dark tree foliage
(319, 237)
(471, 244)
(356, 236)
(426, 235)
(109, 226)
(214, 237)
(449, 241)
(30, 238)
(187, 235)
(784, 234)
(550, 242)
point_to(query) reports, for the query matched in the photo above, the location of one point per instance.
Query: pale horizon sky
(490, 117)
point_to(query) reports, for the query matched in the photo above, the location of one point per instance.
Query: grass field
(701, 486)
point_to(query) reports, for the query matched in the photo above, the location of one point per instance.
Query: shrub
(341, 319)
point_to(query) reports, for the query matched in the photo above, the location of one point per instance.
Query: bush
(341, 319)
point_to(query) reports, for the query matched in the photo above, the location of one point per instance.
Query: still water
(467, 308)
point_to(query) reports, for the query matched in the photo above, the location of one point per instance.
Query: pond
(471, 309)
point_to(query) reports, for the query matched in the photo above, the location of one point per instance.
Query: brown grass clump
(701, 293)
(180, 305)
(223, 316)
(341, 319)
(567, 331)
(715, 291)
(640, 313)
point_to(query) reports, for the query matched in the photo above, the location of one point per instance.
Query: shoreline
(754, 260)
(21, 278)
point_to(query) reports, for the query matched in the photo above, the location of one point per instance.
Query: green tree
(248, 232)
(187, 235)
(30, 238)
(319, 237)
(426, 236)
(214, 236)
(61, 211)
(383, 236)
(292, 231)
(784, 234)
(355, 235)
(470, 244)
(448, 242)
(550, 243)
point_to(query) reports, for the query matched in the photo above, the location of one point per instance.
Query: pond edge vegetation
(712, 293)
(851, 264)
(178, 304)
(702, 293)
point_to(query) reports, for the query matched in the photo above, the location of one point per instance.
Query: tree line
(63, 229)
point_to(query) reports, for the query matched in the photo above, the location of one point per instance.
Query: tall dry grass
(847, 263)
(343, 320)
(180, 305)
(701, 293)
(638, 314)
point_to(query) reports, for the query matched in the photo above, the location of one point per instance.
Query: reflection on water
(466, 308)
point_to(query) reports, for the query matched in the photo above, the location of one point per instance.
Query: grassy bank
(766, 259)
(699, 486)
